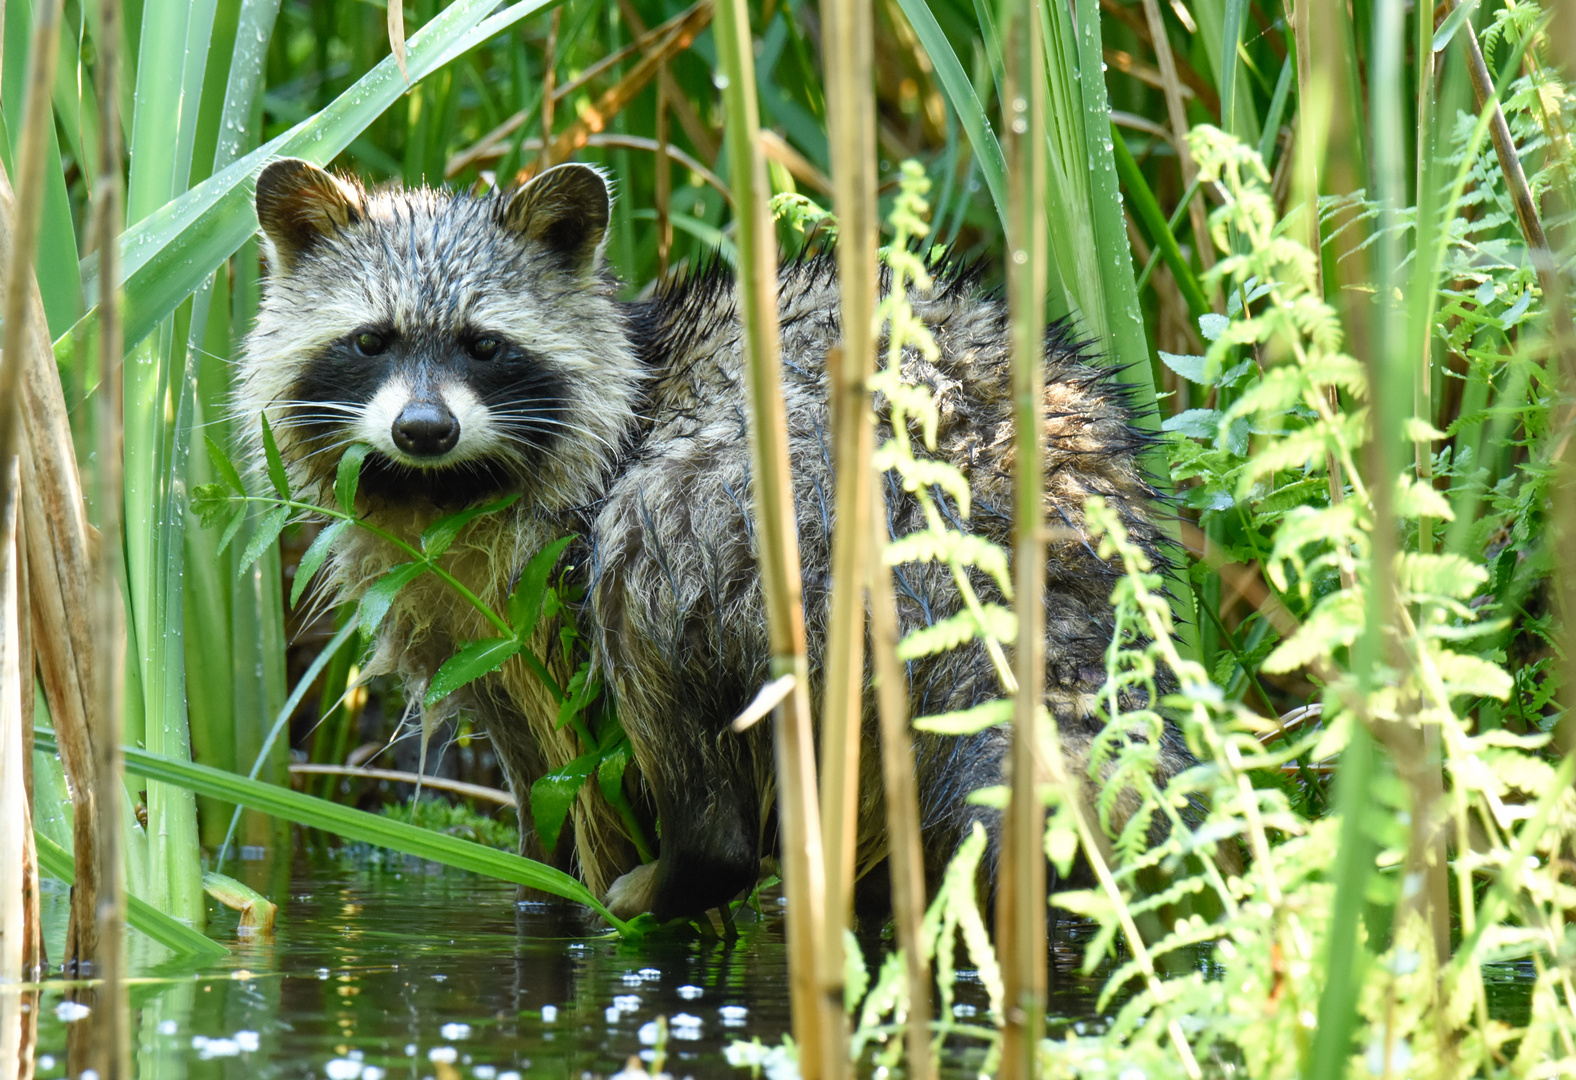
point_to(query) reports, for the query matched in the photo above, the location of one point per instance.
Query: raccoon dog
(477, 346)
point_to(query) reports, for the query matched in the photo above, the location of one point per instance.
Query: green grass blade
(1155, 224)
(1343, 958)
(164, 123)
(355, 825)
(1236, 105)
(960, 92)
(59, 284)
(174, 935)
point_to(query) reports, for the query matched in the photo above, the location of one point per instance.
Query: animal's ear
(298, 205)
(565, 209)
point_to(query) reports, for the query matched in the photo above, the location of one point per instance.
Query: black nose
(426, 429)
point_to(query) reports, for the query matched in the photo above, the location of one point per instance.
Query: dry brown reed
(44, 475)
(109, 631)
(815, 1014)
(851, 128)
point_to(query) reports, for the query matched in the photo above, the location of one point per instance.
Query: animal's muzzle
(426, 429)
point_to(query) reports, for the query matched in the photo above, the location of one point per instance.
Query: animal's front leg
(709, 808)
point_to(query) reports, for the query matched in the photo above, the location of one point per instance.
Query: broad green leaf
(470, 663)
(349, 476)
(610, 770)
(276, 464)
(56, 862)
(379, 597)
(268, 528)
(525, 603)
(312, 561)
(224, 467)
(1190, 368)
(443, 532)
(352, 824)
(1194, 423)
(553, 796)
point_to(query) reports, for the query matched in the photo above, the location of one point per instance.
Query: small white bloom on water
(322, 973)
(648, 1033)
(510, 1075)
(372, 1072)
(410, 1049)
(440, 978)
(455, 1031)
(342, 1069)
(612, 1014)
(632, 978)
(86, 1074)
(215, 1048)
(690, 993)
(964, 1009)
(685, 1026)
(650, 973)
(71, 1010)
(443, 1055)
(484, 1072)
(733, 1015)
(626, 1002)
(47, 1062)
(248, 1041)
(168, 1027)
(549, 1013)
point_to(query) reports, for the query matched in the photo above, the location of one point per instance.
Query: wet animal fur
(645, 455)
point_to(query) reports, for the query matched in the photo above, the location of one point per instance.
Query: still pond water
(386, 967)
(382, 967)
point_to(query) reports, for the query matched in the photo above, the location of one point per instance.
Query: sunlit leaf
(553, 796)
(525, 602)
(379, 597)
(348, 476)
(469, 664)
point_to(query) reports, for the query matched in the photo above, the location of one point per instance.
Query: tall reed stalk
(1020, 888)
(851, 128)
(111, 1020)
(817, 1014)
(20, 344)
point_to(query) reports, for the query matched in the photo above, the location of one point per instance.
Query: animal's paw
(633, 893)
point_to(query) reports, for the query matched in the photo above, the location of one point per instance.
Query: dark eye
(370, 343)
(484, 348)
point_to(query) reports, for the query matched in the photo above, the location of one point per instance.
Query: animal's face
(471, 342)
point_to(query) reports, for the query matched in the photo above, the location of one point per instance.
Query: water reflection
(382, 966)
